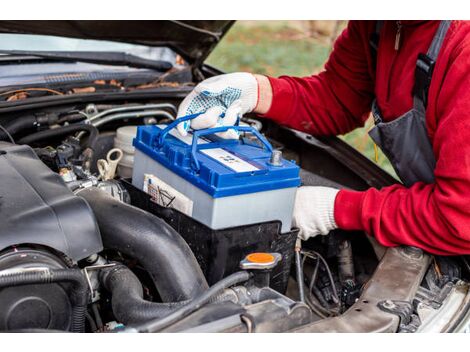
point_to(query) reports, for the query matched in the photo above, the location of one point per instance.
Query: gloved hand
(234, 94)
(314, 211)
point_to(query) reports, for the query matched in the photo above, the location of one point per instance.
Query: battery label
(230, 160)
(166, 196)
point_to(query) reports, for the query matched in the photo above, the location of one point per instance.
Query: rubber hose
(91, 322)
(194, 305)
(78, 295)
(158, 247)
(61, 131)
(97, 316)
(128, 304)
(17, 125)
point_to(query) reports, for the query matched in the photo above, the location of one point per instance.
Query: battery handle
(172, 125)
(199, 133)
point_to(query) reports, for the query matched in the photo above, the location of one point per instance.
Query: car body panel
(193, 40)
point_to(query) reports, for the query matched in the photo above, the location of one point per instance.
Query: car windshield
(52, 43)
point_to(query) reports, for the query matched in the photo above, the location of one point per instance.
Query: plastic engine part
(37, 207)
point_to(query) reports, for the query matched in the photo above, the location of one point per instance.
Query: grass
(280, 48)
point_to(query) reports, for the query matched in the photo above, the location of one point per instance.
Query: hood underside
(193, 40)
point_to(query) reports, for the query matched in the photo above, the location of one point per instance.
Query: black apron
(405, 140)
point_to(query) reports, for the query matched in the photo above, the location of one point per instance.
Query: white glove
(234, 94)
(314, 211)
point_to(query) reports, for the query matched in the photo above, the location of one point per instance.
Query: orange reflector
(260, 258)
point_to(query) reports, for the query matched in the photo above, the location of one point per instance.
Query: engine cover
(36, 207)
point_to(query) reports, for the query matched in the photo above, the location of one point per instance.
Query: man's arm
(332, 102)
(435, 217)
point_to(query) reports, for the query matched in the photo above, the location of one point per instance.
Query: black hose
(17, 125)
(78, 293)
(96, 313)
(91, 322)
(128, 304)
(160, 250)
(313, 278)
(206, 297)
(61, 131)
(6, 133)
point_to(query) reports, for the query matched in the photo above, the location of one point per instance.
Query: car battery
(218, 182)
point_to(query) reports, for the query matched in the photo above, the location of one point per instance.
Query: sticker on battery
(230, 160)
(166, 196)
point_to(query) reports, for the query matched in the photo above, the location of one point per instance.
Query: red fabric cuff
(281, 106)
(348, 210)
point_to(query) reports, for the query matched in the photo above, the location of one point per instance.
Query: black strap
(425, 66)
(374, 42)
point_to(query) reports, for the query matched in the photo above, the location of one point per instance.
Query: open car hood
(193, 40)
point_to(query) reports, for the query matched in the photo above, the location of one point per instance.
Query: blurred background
(297, 48)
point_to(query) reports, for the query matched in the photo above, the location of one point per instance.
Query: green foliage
(269, 49)
(278, 48)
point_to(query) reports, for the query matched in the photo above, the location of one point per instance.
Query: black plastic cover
(36, 207)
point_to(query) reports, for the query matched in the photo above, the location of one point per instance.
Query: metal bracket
(409, 322)
(87, 270)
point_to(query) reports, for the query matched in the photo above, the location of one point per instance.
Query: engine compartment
(82, 249)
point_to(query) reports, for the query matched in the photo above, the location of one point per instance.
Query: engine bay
(86, 247)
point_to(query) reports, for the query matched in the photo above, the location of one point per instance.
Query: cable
(133, 108)
(299, 271)
(321, 304)
(300, 277)
(160, 324)
(314, 304)
(316, 307)
(7, 134)
(313, 278)
(312, 253)
(32, 89)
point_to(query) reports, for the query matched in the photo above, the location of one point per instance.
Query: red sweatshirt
(435, 217)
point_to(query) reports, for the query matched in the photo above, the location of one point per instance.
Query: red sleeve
(338, 99)
(435, 217)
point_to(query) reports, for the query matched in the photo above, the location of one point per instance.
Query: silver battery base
(223, 212)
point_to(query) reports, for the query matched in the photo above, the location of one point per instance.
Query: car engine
(84, 247)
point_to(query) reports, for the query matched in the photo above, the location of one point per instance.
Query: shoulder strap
(425, 66)
(374, 41)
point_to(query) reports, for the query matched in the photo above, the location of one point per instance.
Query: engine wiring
(315, 299)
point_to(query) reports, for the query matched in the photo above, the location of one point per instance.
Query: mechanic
(421, 125)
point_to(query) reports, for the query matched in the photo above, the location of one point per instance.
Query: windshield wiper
(105, 57)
